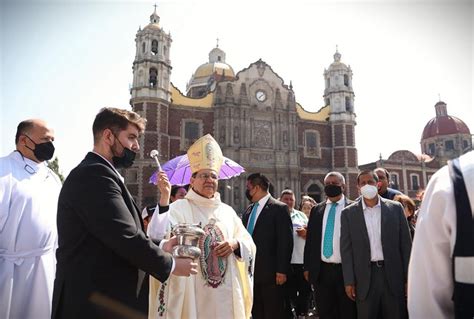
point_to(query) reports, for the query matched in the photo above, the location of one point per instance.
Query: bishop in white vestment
(28, 236)
(223, 287)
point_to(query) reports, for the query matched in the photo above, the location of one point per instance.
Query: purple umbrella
(178, 170)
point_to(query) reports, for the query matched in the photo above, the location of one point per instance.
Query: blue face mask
(126, 160)
(43, 151)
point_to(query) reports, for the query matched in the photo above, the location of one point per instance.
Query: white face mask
(369, 191)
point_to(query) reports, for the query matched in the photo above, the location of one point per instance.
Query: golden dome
(208, 69)
(152, 26)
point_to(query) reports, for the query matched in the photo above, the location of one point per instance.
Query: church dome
(337, 64)
(208, 74)
(444, 125)
(210, 68)
(154, 21)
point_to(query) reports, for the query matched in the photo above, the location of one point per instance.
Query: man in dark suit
(375, 250)
(322, 257)
(269, 223)
(103, 252)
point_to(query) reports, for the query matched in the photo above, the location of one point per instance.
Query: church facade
(254, 116)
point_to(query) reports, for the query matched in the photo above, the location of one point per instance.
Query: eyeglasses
(30, 170)
(207, 176)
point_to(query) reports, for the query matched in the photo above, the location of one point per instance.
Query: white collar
(364, 206)
(264, 200)
(199, 200)
(342, 201)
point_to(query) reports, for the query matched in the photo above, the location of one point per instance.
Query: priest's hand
(225, 248)
(169, 244)
(184, 267)
(280, 278)
(164, 186)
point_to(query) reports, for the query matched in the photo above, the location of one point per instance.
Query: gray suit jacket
(355, 247)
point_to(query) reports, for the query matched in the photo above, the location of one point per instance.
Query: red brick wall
(352, 157)
(177, 114)
(151, 116)
(338, 135)
(339, 157)
(151, 143)
(310, 162)
(137, 107)
(163, 119)
(323, 129)
(148, 190)
(325, 144)
(350, 135)
(351, 187)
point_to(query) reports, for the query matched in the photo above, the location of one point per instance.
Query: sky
(64, 60)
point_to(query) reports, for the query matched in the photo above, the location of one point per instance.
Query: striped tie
(329, 232)
(253, 216)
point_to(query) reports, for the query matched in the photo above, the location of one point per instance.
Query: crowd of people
(84, 249)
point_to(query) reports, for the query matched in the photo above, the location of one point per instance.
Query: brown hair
(367, 172)
(406, 202)
(116, 120)
(308, 199)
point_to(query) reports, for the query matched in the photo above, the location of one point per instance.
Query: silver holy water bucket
(188, 236)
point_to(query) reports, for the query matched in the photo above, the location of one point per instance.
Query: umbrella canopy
(179, 172)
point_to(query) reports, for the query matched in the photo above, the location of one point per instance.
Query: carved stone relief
(262, 134)
(259, 157)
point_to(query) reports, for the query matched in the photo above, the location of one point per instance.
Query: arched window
(153, 77)
(449, 145)
(311, 143)
(431, 149)
(394, 181)
(143, 47)
(348, 104)
(191, 130)
(154, 47)
(414, 182)
(346, 80)
(315, 192)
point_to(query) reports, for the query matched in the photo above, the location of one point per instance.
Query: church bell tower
(339, 95)
(150, 97)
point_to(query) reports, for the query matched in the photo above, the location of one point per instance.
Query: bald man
(28, 237)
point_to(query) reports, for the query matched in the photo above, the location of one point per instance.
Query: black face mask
(247, 194)
(126, 160)
(332, 190)
(43, 151)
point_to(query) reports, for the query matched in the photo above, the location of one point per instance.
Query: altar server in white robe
(28, 236)
(223, 287)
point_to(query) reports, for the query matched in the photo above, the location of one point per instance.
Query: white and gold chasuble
(223, 287)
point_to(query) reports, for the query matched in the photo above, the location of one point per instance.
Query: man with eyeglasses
(28, 237)
(223, 286)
